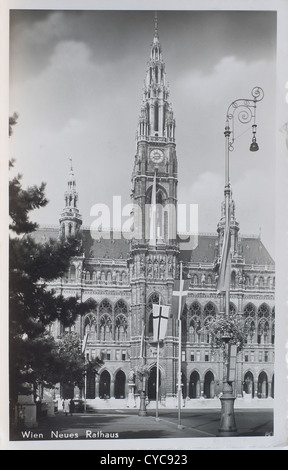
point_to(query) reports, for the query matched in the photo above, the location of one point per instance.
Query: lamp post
(245, 110)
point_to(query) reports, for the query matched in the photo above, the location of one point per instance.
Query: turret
(70, 219)
(234, 229)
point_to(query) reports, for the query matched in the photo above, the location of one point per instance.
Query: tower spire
(156, 35)
(156, 119)
(234, 227)
(70, 220)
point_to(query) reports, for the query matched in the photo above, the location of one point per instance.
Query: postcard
(144, 227)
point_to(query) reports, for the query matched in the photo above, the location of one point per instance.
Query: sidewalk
(126, 424)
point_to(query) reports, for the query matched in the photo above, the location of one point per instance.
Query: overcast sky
(76, 81)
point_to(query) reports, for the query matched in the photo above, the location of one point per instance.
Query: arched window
(209, 310)
(105, 328)
(195, 322)
(194, 330)
(250, 328)
(263, 330)
(195, 309)
(249, 310)
(263, 311)
(208, 314)
(233, 280)
(250, 317)
(121, 307)
(105, 312)
(184, 329)
(90, 327)
(121, 327)
(105, 307)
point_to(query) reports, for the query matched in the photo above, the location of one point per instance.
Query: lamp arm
(245, 110)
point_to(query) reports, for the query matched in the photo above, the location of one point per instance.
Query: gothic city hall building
(126, 274)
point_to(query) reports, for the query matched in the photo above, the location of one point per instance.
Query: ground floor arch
(91, 385)
(209, 385)
(152, 380)
(262, 385)
(248, 384)
(120, 383)
(194, 385)
(104, 385)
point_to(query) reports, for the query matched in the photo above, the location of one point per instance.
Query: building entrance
(90, 384)
(152, 383)
(120, 384)
(104, 385)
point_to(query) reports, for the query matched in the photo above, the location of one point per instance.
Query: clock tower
(154, 247)
(155, 154)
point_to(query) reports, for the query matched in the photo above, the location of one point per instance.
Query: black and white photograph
(145, 306)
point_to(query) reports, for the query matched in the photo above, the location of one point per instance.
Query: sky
(76, 82)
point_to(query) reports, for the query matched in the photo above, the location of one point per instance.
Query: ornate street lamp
(245, 111)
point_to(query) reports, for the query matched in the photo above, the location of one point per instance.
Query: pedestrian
(66, 406)
(71, 406)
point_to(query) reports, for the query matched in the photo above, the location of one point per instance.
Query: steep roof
(117, 246)
(251, 248)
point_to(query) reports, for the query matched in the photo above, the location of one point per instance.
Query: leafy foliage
(227, 330)
(35, 357)
(21, 202)
(72, 364)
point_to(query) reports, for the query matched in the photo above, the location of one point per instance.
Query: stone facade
(125, 275)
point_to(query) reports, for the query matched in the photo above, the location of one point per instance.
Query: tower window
(156, 117)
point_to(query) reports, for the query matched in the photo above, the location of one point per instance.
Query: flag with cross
(160, 321)
(180, 291)
(224, 274)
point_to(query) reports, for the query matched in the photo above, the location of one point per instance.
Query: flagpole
(157, 380)
(142, 411)
(179, 349)
(153, 229)
(157, 370)
(85, 373)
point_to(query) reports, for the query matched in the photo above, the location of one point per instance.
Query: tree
(34, 354)
(66, 364)
(230, 330)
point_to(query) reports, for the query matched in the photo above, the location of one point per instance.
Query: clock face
(156, 156)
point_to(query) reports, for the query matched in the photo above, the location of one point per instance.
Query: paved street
(126, 424)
